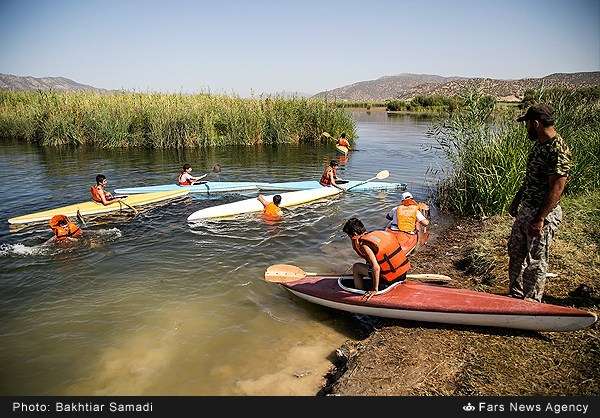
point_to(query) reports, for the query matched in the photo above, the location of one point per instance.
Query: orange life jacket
(272, 211)
(406, 215)
(343, 142)
(183, 183)
(390, 255)
(325, 180)
(406, 240)
(96, 194)
(62, 232)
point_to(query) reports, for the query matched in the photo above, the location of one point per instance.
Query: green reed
(431, 104)
(488, 150)
(155, 120)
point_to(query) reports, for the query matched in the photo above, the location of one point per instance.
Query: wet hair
(100, 178)
(333, 163)
(185, 167)
(343, 135)
(353, 227)
(277, 199)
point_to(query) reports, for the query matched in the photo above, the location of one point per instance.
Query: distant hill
(405, 86)
(15, 82)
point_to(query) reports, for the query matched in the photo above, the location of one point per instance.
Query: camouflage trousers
(528, 255)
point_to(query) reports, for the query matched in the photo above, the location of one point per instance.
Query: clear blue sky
(305, 46)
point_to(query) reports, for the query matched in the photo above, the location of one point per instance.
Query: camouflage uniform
(528, 254)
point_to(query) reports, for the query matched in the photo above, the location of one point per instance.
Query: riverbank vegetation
(364, 104)
(433, 103)
(166, 120)
(488, 149)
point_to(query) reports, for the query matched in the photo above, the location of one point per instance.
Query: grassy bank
(165, 120)
(487, 149)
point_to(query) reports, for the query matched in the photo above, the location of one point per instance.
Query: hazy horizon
(273, 47)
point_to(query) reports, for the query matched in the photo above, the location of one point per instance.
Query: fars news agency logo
(468, 407)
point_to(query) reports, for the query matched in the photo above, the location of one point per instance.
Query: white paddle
(380, 176)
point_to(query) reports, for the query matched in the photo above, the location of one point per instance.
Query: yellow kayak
(341, 149)
(92, 208)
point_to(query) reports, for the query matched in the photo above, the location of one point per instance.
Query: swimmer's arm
(262, 200)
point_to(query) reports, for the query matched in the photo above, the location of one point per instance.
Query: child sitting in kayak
(99, 194)
(63, 228)
(271, 209)
(386, 261)
(343, 142)
(185, 178)
(329, 176)
(407, 216)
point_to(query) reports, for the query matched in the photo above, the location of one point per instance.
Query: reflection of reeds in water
(166, 120)
(488, 149)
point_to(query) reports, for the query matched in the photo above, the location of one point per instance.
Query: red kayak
(418, 301)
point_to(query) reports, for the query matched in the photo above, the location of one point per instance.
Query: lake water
(150, 305)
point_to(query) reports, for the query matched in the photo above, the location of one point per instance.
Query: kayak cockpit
(347, 284)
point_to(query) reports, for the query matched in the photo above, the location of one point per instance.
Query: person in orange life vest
(63, 228)
(271, 209)
(407, 216)
(329, 176)
(343, 142)
(99, 194)
(185, 178)
(386, 259)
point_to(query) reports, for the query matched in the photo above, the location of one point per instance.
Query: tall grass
(165, 120)
(488, 150)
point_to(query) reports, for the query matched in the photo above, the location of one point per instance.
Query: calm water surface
(151, 305)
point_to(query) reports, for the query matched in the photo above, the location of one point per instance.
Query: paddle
(216, 168)
(328, 136)
(80, 217)
(380, 176)
(135, 211)
(284, 273)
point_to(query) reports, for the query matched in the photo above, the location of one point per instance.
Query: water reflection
(157, 306)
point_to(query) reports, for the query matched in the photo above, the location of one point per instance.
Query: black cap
(541, 112)
(333, 162)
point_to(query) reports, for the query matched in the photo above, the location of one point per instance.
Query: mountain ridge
(15, 82)
(407, 85)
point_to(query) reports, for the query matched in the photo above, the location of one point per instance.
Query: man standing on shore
(535, 207)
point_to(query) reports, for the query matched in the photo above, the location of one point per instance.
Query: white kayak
(253, 205)
(357, 185)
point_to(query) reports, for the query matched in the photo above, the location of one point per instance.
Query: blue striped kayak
(226, 186)
(306, 185)
(208, 187)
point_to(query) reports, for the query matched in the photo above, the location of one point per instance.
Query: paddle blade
(283, 273)
(383, 175)
(326, 134)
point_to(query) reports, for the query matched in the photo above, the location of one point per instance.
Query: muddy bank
(409, 358)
